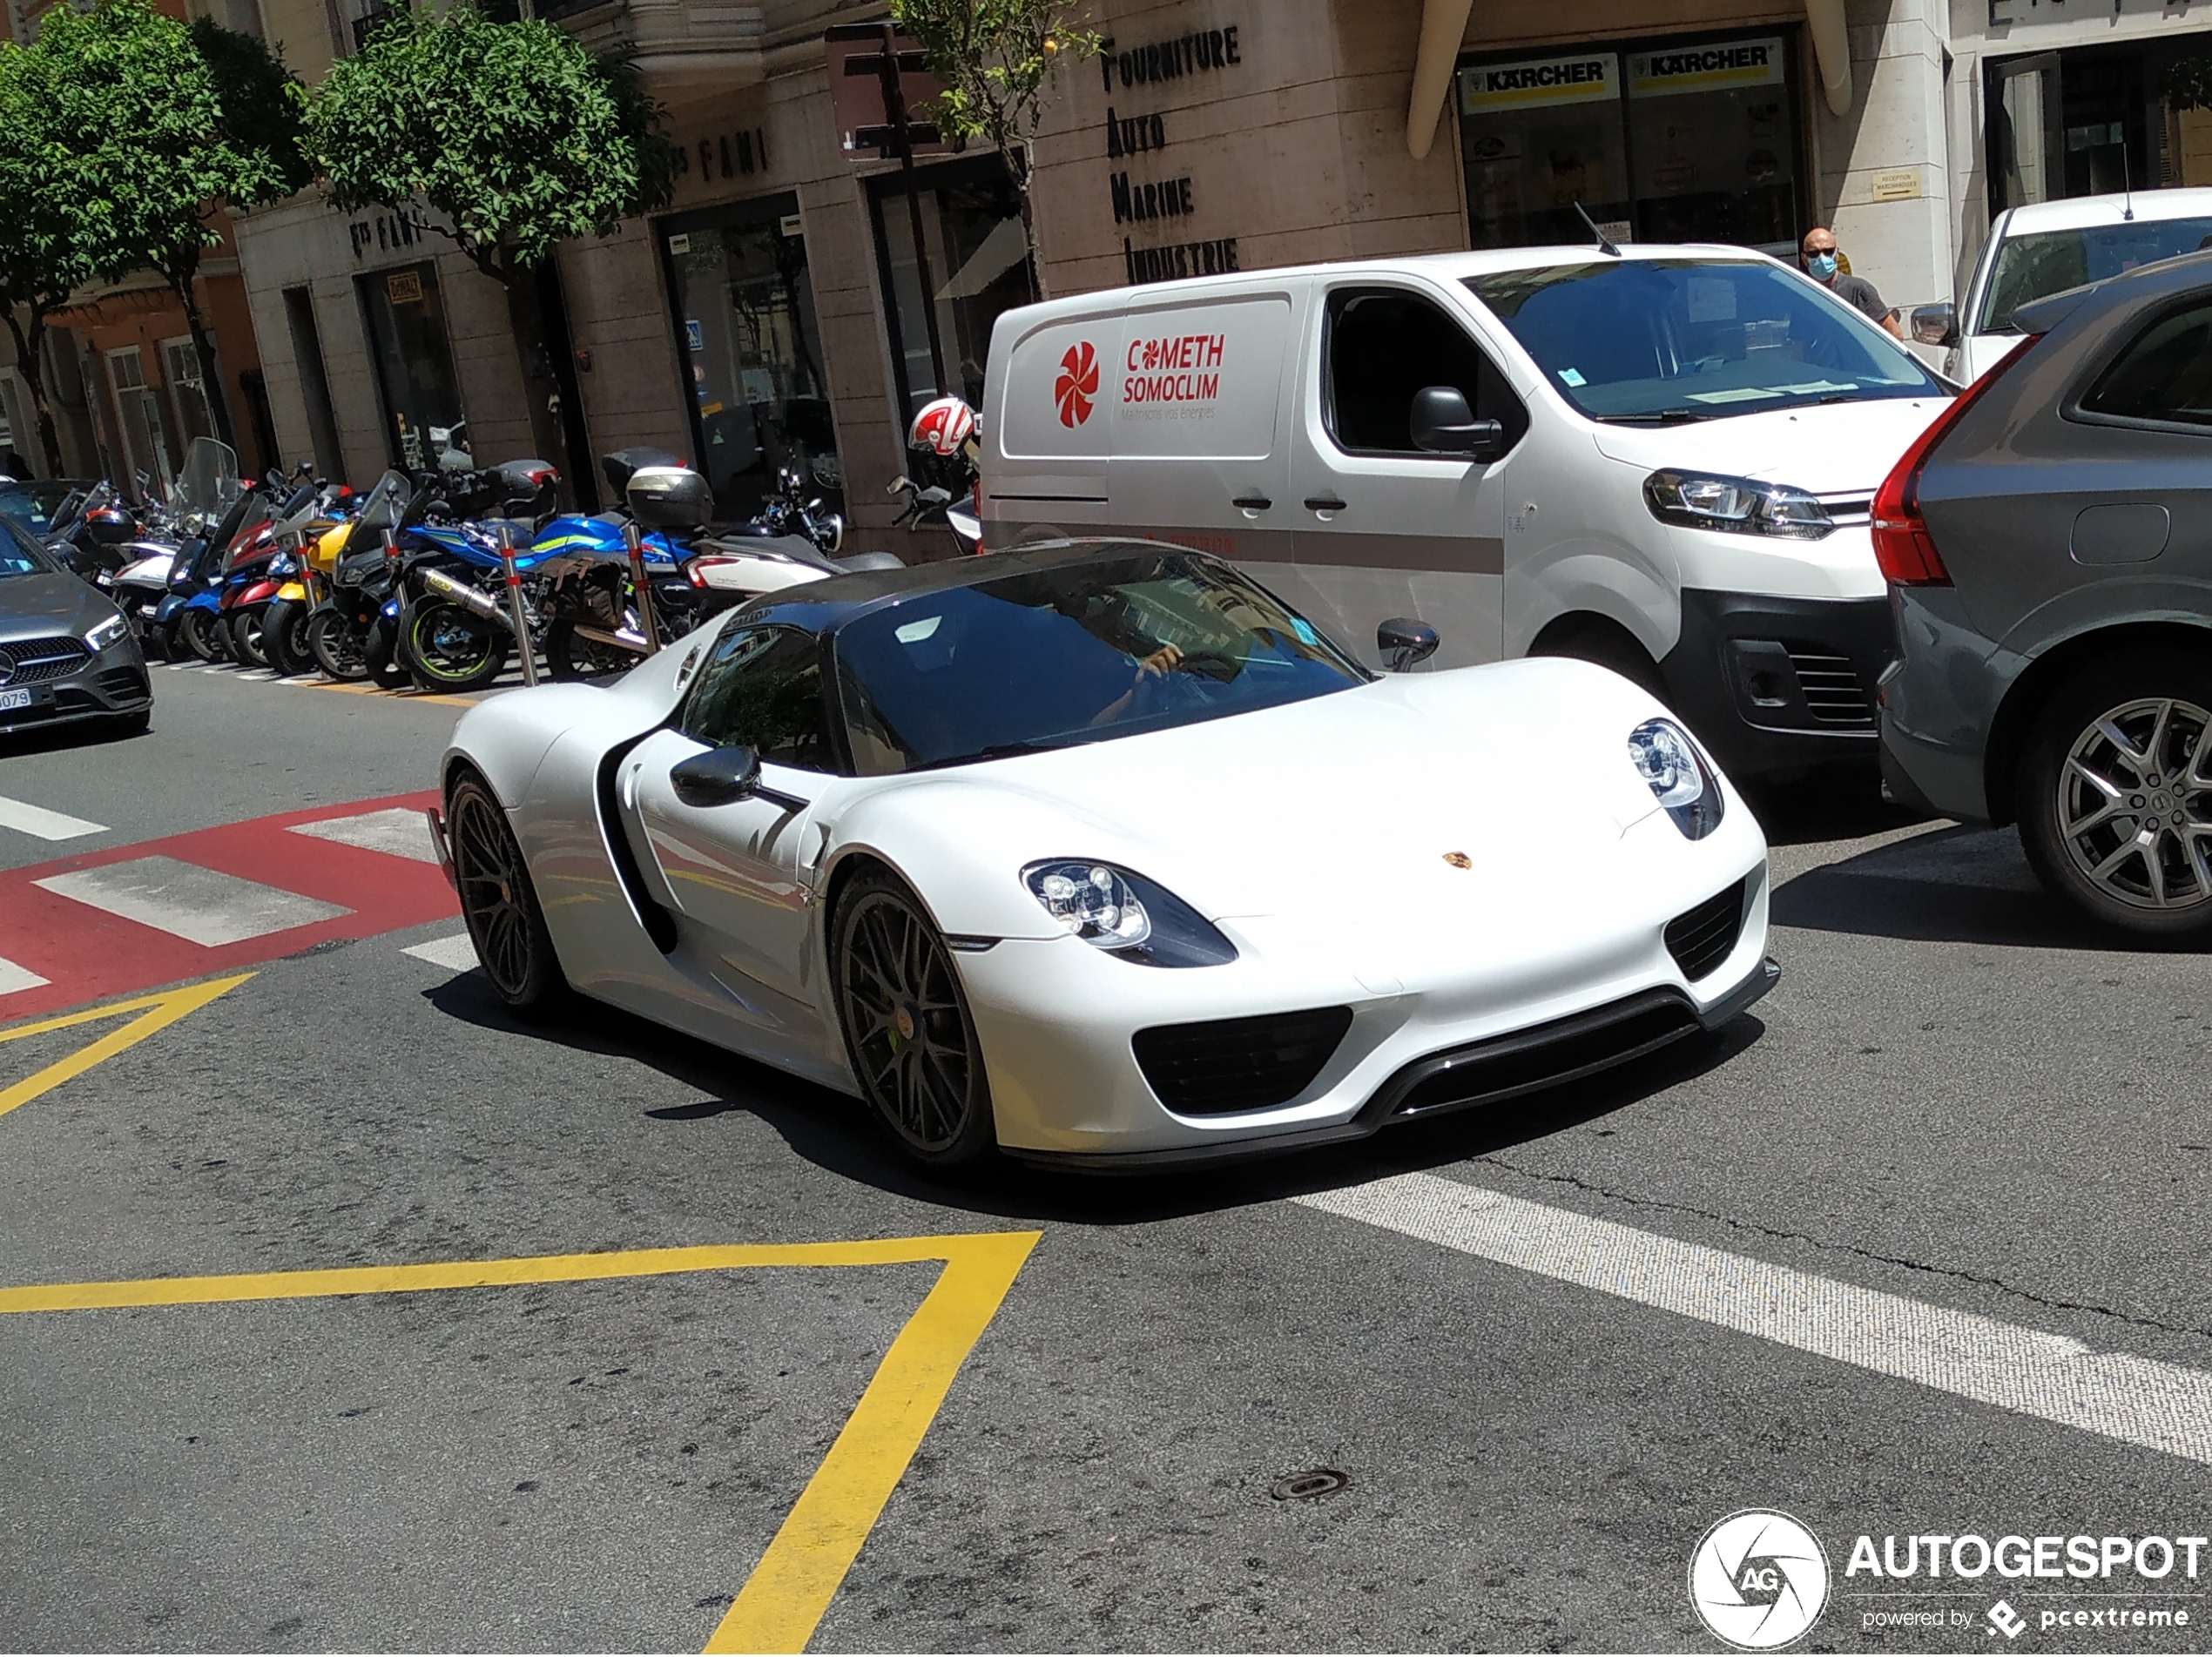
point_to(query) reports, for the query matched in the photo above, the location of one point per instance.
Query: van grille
(1833, 694)
(1226, 1065)
(1701, 939)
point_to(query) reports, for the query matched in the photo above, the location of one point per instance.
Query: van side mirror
(1443, 424)
(1936, 325)
(1403, 642)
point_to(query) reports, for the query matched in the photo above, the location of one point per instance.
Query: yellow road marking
(165, 1008)
(790, 1589)
(389, 696)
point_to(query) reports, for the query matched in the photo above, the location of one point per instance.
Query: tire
(445, 647)
(377, 656)
(500, 903)
(245, 639)
(131, 724)
(907, 1030)
(337, 646)
(167, 635)
(203, 634)
(2132, 851)
(284, 637)
(568, 656)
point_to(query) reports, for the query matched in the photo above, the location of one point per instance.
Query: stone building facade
(774, 314)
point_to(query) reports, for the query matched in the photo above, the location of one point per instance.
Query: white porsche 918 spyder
(1096, 853)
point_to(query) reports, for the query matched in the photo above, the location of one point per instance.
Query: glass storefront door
(425, 425)
(1691, 140)
(979, 267)
(753, 353)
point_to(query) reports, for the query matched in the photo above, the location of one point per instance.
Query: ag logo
(1759, 1580)
(1077, 384)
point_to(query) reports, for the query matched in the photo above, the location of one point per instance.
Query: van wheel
(2114, 800)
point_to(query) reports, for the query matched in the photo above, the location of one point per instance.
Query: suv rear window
(2165, 373)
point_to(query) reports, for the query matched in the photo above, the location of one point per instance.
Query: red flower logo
(1077, 384)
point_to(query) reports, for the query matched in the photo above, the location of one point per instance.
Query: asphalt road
(1788, 1270)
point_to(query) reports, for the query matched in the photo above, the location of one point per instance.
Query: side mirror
(1403, 642)
(719, 776)
(669, 497)
(1936, 325)
(1443, 424)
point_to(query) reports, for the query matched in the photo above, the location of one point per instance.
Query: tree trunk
(1017, 167)
(203, 345)
(30, 359)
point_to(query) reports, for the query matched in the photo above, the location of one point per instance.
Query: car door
(1383, 528)
(739, 875)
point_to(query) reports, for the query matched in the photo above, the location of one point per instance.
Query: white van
(1659, 458)
(2048, 247)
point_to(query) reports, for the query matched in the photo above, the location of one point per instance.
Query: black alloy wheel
(201, 632)
(2116, 793)
(284, 638)
(498, 901)
(339, 647)
(907, 1026)
(446, 647)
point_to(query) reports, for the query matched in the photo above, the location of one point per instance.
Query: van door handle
(1323, 504)
(1252, 503)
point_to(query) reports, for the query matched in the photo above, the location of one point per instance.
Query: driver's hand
(1160, 663)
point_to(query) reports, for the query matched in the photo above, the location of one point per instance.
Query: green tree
(511, 134)
(50, 226)
(169, 125)
(997, 59)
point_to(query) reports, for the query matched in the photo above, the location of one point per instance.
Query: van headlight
(1123, 913)
(109, 631)
(1736, 505)
(1677, 776)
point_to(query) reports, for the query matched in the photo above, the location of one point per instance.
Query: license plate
(10, 700)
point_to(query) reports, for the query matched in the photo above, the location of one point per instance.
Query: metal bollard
(633, 539)
(514, 611)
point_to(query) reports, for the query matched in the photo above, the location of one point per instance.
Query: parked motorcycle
(945, 443)
(455, 629)
(211, 506)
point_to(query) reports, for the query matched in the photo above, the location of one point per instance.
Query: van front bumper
(1780, 687)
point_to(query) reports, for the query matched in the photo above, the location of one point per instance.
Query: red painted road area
(90, 955)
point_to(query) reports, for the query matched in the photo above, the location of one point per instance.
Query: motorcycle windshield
(381, 509)
(249, 542)
(210, 481)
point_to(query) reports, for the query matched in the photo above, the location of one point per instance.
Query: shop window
(145, 444)
(752, 352)
(1385, 346)
(186, 390)
(1683, 141)
(978, 268)
(424, 424)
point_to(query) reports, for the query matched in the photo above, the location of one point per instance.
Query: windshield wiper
(1662, 417)
(1001, 750)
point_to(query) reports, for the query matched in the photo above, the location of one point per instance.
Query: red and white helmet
(942, 427)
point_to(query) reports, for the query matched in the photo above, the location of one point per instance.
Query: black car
(67, 653)
(2048, 545)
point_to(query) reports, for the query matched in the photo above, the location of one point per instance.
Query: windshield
(1649, 341)
(1052, 657)
(209, 481)
(380, 510)
(22, 555)
(2054, 261)
(20, 506)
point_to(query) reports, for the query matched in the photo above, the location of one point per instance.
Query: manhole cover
(1304, 1487)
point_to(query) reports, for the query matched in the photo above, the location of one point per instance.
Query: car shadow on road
(835, 1132)
(1952, 885)
(1824, 807)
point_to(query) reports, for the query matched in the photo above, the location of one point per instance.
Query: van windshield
(1652, 342)
(2051, 261)
(1073, 653)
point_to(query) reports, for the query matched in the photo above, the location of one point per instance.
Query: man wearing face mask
(1818, 261)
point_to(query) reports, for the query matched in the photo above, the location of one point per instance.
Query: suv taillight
(1901, 545)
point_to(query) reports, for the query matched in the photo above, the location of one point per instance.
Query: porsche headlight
(109, 631)
(1677, 776)
(1738, 505)
(1126, 915)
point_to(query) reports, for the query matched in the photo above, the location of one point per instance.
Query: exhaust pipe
(477, 604)
(627, 638)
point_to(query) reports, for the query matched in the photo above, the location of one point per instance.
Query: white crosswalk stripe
(398, 830)
(2053, 1377)
(14, 978)
(47, 826)
(456, 953)
(201, 906)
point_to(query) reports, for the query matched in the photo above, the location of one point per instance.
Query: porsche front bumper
(1060, 1026)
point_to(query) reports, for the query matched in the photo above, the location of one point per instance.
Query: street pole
(634, 539)
(515, 613)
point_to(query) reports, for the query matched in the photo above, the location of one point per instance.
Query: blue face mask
(1821, 266)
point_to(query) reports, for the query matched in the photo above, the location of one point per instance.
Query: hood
(41, 606)
(1839, 448)
(1349, 811)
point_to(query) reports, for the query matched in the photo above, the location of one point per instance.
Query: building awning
(1444, 24)
(1831, 51)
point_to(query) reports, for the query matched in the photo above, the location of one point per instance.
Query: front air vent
(1227, 1065)
(1833, 694)
(1701, 939)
